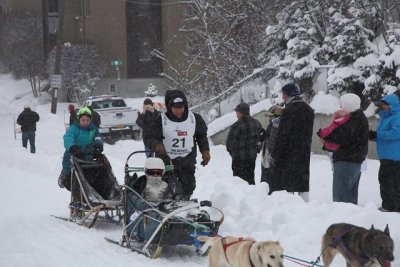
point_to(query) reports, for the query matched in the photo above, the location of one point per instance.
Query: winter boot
(61, 180)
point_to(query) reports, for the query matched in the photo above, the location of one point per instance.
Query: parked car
(116, 117)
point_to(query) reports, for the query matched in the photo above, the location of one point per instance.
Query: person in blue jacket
(81, 140)
(387, 137)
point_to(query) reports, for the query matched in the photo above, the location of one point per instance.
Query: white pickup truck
(116, 117)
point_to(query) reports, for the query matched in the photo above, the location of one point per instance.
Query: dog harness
(240, 239)
(338, 241)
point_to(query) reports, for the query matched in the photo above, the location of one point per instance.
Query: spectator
(72, 114)
(28, 119)
(242, 143)
(96, 119)
(339, 118)
(351, 140)
(270, 135)
(80, 139)
(387, 138)
(173, 137)
(292, 150)
(143, 121)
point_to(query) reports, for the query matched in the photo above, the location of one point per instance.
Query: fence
(250, 89)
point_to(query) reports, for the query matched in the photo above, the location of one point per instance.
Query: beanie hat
(291, 89)
(243, 108)
(26, 106)
(350, 102)
(147, 101)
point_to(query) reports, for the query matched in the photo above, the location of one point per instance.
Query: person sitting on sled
(151, 192)
(81, 140)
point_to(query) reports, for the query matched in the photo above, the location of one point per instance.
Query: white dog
(242, 252)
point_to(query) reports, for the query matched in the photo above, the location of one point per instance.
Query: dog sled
(95, 192)
(171, 223)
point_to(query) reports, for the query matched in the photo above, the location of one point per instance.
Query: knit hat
(274, 111)
(243, 108)
(350, 102)
(26, 106)
(147, 101)
(291, 89)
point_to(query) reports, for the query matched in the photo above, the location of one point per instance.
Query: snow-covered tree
(21, 49)
(81, 67)
(223, 43)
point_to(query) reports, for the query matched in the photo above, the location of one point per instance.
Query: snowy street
(29, 195)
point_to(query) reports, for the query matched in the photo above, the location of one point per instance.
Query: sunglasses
(154, 172)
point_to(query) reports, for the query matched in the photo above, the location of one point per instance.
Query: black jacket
(243, 138)
(154, 134)
(146, 117)
(28, 119)
(292, 151)
(352, 137)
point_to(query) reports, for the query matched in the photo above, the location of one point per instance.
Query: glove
(259, 146)
(77, 152)
(160, 151)
(372, 135)
(98, 147)
(205, 155)
(319, 132)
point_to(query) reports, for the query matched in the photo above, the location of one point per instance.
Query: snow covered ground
(29, 194)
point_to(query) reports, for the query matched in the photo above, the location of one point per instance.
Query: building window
(86, 7)
(83, 7)
(52, 6)
(144, 34)
(112, 88)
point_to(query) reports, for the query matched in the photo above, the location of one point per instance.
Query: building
(125, 31)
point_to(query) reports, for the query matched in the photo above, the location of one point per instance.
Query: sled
(95, 192)
(179, 223)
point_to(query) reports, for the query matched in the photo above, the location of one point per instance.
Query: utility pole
(45, 25)
(59, 43)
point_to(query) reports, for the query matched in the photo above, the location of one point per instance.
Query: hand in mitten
(76, 151)
(372, 135)
(97, 150)
(259, 146)
(205, 155)
(161, 153)
(98, 147)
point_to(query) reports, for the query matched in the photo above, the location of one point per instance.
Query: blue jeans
(346, 178)
(31, 137)
(149, 152)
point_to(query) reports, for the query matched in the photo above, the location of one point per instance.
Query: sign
(116, 62)
(55, 81)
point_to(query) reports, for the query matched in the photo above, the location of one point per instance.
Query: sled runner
(94, 191)
(149, 227)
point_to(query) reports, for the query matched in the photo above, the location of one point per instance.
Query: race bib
(178, 136)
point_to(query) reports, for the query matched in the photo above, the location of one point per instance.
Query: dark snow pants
(244, 169)
(389, 181)
(184, 169)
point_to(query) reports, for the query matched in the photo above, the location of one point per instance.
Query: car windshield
(108, 103)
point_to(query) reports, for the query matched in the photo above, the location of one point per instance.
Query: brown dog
(242, 252)
(359, 246)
